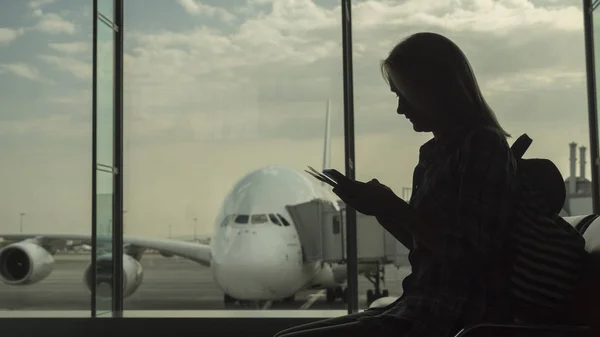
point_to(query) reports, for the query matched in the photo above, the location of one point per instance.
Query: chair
(584, 316)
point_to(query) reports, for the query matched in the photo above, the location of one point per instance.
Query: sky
(215, 89)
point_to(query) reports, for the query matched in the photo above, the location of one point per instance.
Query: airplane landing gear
(377, 293)
(228, 299)
(335, 293)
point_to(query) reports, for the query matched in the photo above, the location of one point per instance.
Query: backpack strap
(542, 175)
(521, 145)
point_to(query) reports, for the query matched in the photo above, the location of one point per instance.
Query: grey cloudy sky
(214, 89)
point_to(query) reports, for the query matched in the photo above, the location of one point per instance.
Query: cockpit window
(258, 219)
(226, 221)
(242, 219)
(275, 219)
(283, 220)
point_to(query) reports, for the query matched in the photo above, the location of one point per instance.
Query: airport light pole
(21, 215)
(195, 226)
(123, 220)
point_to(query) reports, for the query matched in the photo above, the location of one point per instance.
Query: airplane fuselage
(256, 250)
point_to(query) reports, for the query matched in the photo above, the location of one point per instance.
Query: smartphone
(337, 176)
(330, 176)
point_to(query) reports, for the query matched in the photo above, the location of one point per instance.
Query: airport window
(387, 147)
(46, 151)
(258, 219)
(229, 116)
(594, 32)
(274, 219)
(242, 85)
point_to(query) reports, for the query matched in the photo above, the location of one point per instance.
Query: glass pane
(596, 34)
(541, 94)
(223, 113)
(105, 95)
(104, 264)
(104, 175)
(45, 151)
(107, 8)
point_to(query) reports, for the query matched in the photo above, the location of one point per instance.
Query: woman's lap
(350, 329)
(348, 326)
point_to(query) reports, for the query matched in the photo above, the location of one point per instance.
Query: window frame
(151, 326)
(94, 325)
(589, 7)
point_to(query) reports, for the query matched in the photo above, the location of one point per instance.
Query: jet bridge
(322, 232)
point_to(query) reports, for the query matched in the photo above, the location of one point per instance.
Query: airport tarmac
(169, 284)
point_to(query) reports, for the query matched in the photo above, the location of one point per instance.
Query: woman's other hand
(371, 198)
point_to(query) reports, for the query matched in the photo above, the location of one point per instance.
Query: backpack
(549, 254)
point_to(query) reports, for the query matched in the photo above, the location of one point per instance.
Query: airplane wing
(133, 246)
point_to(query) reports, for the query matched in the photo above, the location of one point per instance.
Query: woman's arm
(473, 226)
(405, 224)
(394, 227)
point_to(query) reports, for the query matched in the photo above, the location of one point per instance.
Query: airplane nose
(251, 267)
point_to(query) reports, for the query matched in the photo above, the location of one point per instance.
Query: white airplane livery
(254, 255)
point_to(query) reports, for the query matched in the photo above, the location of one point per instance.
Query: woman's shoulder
(486, 139)
(488, 134)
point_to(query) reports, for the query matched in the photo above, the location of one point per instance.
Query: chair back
(585, 307)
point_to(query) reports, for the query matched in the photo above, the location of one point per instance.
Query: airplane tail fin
(327, 141)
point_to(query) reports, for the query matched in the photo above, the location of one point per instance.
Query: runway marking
(312, 298)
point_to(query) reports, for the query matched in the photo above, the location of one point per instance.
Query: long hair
(442, 75)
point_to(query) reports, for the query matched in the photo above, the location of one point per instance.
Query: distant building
(579, 188)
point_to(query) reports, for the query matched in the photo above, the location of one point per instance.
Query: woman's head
(435, 85)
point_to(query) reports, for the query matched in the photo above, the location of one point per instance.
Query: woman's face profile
(419, 115)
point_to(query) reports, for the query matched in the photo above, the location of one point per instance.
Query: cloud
(23, 70)
(39, 3)
(36, 7)
(195, 8)
(50, 23)
(8, 35)
(72, 65)
(51, 124)
(54, 24)
(221, 99)
(70, 47)
(490, 16)
(536, 79)
(293, 53)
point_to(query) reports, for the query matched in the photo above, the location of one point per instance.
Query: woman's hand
(371, 198)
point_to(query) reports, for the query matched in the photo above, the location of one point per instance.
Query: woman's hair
(436, 68)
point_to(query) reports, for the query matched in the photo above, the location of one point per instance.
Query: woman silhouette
(456, 224)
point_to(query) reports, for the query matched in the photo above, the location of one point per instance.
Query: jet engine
(133, 275)
(24, 263)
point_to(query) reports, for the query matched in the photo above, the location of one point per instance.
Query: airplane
(255, 255)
